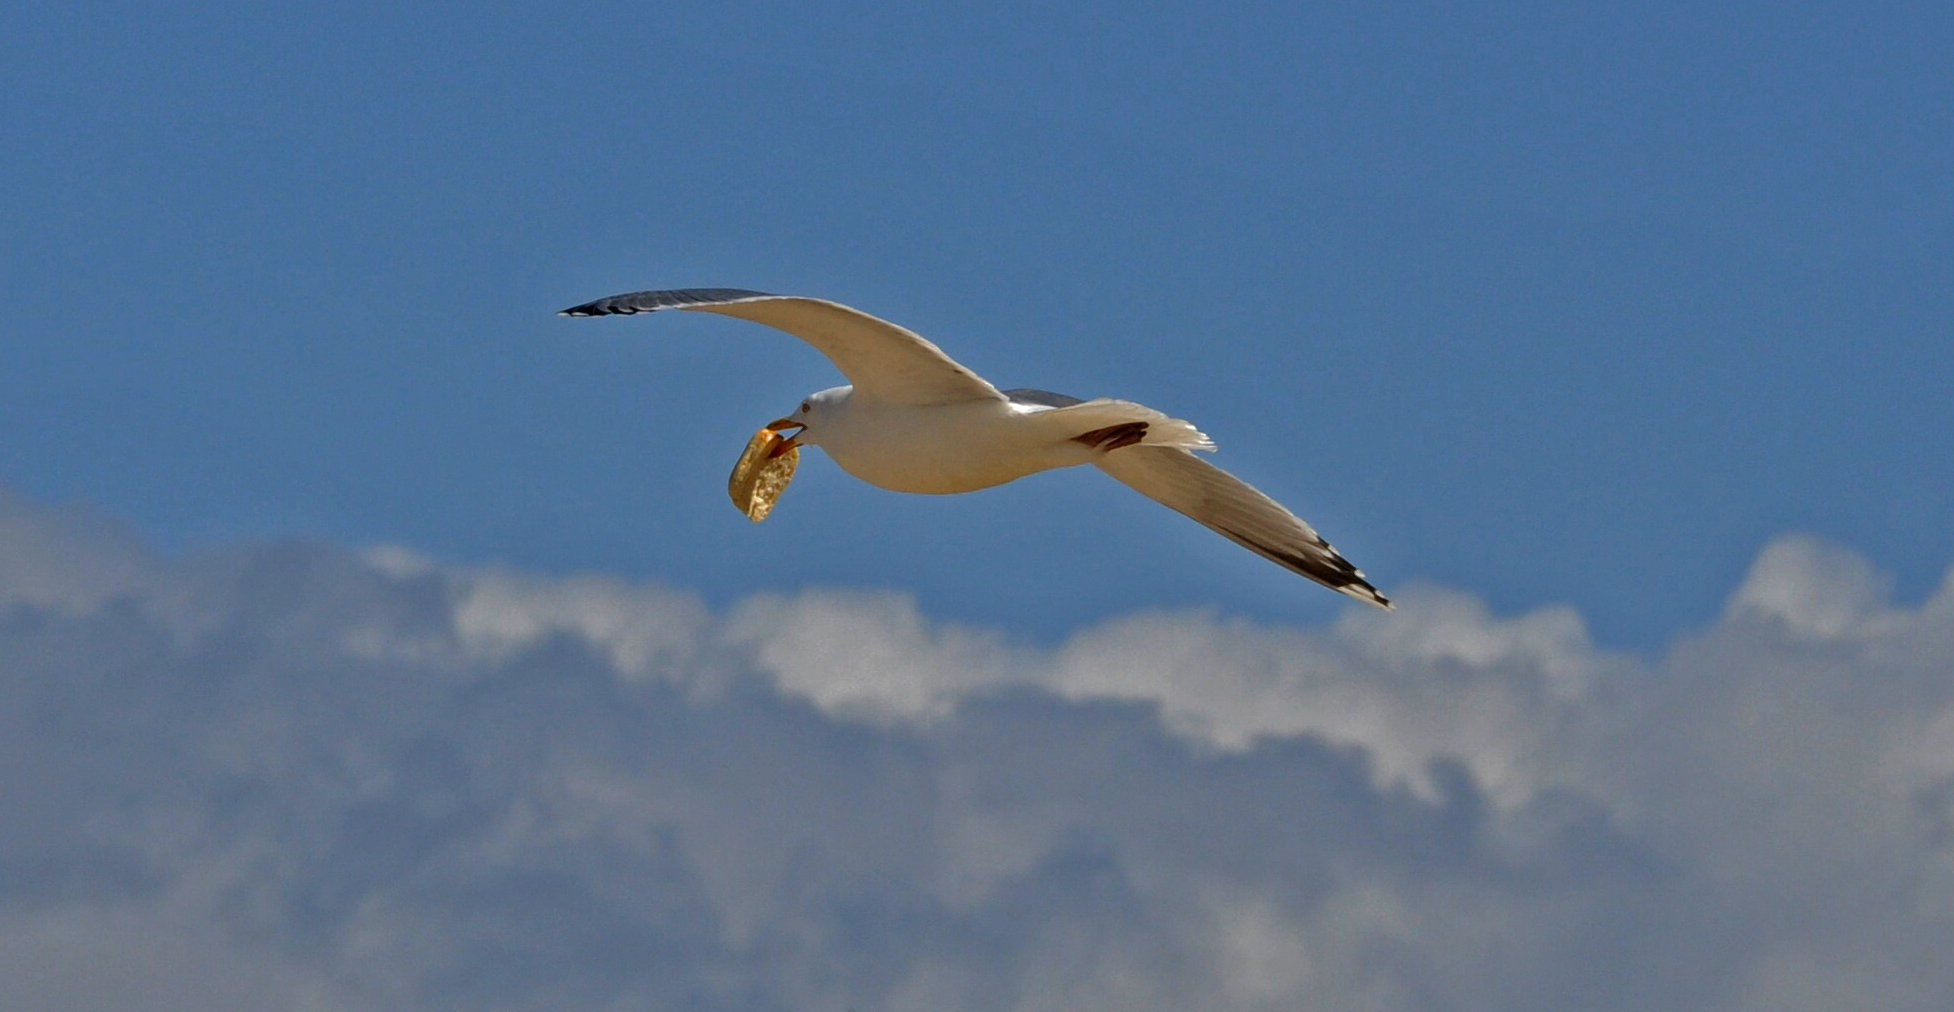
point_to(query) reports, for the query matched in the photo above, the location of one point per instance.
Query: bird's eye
(807, 406)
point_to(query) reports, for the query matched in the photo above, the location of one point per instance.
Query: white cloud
(291, 776)
(1815, 590)
(64, 558)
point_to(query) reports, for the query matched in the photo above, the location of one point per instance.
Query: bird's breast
(938, 449)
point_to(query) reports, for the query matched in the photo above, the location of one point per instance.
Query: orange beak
(788, 444)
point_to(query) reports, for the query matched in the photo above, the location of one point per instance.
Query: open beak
(780, 424)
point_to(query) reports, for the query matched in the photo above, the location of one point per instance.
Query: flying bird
(913, 419)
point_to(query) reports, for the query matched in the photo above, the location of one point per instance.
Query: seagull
(913, 419)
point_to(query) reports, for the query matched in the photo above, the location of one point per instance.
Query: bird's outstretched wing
(883, 361)
(1237, 511)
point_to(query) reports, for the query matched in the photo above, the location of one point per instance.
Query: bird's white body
(916, 420)
(964, 446)
(906, 448)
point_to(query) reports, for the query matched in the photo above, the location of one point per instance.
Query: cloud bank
(297, 776)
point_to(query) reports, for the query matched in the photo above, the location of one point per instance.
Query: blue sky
(373, 638)
(1562, 304)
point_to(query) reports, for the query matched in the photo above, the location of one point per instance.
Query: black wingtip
(602, 307)
(675, 298)
(1327, 567)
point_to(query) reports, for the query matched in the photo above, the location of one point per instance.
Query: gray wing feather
(882, 360)
(1042, 398)
(1239, 512)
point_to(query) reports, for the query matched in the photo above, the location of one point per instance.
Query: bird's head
(807, 418)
